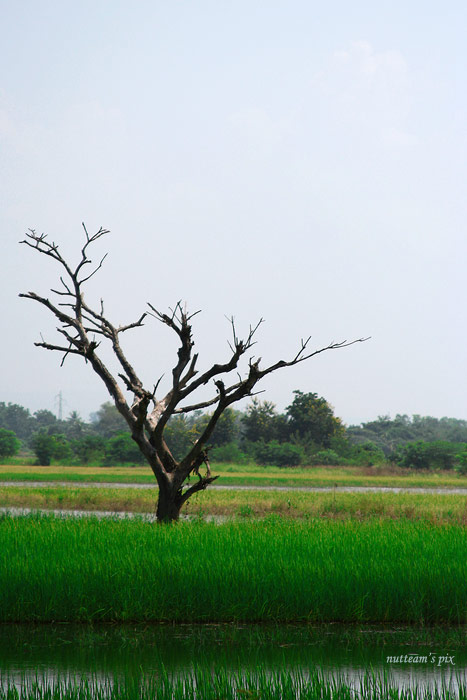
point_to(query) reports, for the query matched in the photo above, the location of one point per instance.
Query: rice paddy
(282, 556)
(277, 569)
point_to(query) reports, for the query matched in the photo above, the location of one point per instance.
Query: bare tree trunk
(168, 505)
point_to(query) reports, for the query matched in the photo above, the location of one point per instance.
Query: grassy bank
(221, 684)
(433, 508)
(247, 475)
(277, 569)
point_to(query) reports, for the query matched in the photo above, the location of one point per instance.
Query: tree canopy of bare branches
(82, 329)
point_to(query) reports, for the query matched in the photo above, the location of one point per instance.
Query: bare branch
(89, 239)
(50, 346)
(156, 385)
(179, 322)
(190, 372)
(239, 349)
(300, 357)
(200, 485)
(85, 279)
(64, 318)
(213, 401)
(182, 318)
(67, 351)
(136, 324)
(108, 330)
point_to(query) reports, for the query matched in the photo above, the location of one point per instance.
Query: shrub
(327, 457)
(428, 455)
(282, 454)
(89, 448)
(46, 447)
(367, 454)
(228, 453)
(121, 449)
(9, 443)
(461, 463)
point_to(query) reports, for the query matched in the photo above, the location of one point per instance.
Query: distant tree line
(307, 432)
(389, 433)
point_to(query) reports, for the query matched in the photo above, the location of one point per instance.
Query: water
(116, 514)
(427, 657)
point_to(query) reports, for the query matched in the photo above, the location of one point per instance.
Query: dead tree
(82, 330)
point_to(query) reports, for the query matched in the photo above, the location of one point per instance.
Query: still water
(426, 657)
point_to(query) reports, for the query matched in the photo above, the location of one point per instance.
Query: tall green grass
(55, 569)
(203, 685)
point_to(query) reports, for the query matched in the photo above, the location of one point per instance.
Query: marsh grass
(205, 685)
(434, 508)
(55, 569)
(75, 498)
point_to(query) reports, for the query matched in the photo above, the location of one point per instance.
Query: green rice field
(277, 569)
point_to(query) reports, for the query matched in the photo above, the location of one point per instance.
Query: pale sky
(300, 161)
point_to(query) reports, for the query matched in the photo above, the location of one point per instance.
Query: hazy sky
(296, 160)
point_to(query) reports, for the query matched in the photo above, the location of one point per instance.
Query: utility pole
(59, 400)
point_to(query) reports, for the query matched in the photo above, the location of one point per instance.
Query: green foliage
(342, 445)
(367, 454)
(181, 433)
(389, 433)
(226, 430)
(311, 418)
(230, 452)
(44, 420)
(89, 448)
(42, 445)
(309, 425)
(326, 457)
(107, 421)
(16, 418)
(62, 448)
(74, 427)
(9, 443)
(281, 454)
(122, 449)
(461, 463)
(261, 422)
(19, 419)
(428, 455)
(47, 447)
(277, 569)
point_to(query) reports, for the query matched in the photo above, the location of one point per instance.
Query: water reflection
(405, 654)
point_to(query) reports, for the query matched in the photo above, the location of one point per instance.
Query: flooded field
(407, 656)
